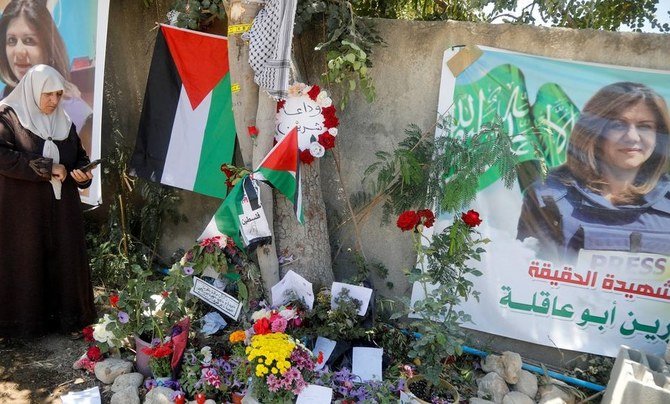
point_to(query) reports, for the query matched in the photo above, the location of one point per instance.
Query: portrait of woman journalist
(45, 272)
(613, 192)
(29, 37)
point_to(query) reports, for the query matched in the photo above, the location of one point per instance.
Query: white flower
(262, 313)
(323, 100)
(333, 131)
(316, 150)
(101, 333)
(297, 89)
(206, 352)
(288, 314)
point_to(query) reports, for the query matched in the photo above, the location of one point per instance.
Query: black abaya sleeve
(20, 165)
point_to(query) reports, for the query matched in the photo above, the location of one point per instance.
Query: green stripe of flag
(218, 138)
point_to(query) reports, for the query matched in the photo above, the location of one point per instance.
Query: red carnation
(407, 220)
(165, 294)
(427, 217)
(162, 351)
(327, 140)
(314, 92)
(280, 104)
(471, 218)
(93, 353)
(87, 332)
(306, 157)
(253, 130)
(262, 326)
(113, 300)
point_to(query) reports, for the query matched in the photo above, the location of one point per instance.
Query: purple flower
(188, 270)
(123, 317)
(150, 384)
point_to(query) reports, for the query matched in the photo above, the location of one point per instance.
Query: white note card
(367, 363)
(324, 346)
(313, 394)
(292, 282)
(88, 396)
(357, 292)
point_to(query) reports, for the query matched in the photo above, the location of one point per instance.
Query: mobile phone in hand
(93, 164)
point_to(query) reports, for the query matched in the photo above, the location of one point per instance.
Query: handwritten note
(325, 347)
(216, 298)
(367, 363)
(356, 292)
(292, 286)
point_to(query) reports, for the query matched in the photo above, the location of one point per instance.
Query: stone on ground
(515, 397)
(527, 384)
(128, 395)
(511, 362)
(109, 369)
(127, 380)
(492, 385)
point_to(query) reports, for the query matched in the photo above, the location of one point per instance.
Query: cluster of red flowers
(93, 353)
(161, 350)
(410, 220)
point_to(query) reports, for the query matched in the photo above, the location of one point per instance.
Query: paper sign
(292, 286)
(367, 363)
(356, 292)
(405, 398)
(88, 396)
(313, 394)
(325, 346)
(254, 223)
(216, 298)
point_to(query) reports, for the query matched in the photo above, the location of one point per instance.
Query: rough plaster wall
(406, 73)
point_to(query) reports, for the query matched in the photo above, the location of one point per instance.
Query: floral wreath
(312, 110)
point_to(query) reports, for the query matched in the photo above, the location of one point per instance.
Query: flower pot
(237, 398)
(444, 385)
(142, 359)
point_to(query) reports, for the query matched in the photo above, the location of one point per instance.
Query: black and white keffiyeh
(270, 40)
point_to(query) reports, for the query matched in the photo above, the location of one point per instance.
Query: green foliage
(608, 15)
(134, 224)
(340, 323)
(446, 283)
(348, 44)
(419, 9)
(422, 170)
(196, 14)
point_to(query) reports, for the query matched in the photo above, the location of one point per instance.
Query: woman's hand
(58, 172)
(81, 176)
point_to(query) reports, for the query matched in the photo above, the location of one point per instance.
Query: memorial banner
(71, 36)
(578, 258)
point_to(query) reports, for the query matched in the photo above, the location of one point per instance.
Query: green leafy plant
(196, 14)
(443, 273)
(348, 44)
(339, 323)
(134, 221)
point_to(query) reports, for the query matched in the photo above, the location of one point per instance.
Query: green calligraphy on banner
(554, 116)
(498, 97)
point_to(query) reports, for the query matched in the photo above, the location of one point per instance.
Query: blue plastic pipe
(537, 369)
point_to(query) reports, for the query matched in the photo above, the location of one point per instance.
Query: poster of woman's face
(70, 36)
(579, 256)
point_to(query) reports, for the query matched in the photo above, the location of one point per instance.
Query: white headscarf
(25, 101)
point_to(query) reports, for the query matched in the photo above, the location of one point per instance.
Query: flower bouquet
(279, 366)
(216, 378)
(160, 358)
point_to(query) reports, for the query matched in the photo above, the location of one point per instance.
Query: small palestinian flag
(187, 129)
(281, 170)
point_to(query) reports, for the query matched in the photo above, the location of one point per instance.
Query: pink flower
(279, 324)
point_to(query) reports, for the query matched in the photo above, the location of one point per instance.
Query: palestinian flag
(281, 170)
(187, 129)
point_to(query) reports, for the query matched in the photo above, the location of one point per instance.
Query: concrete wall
(406, 74)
